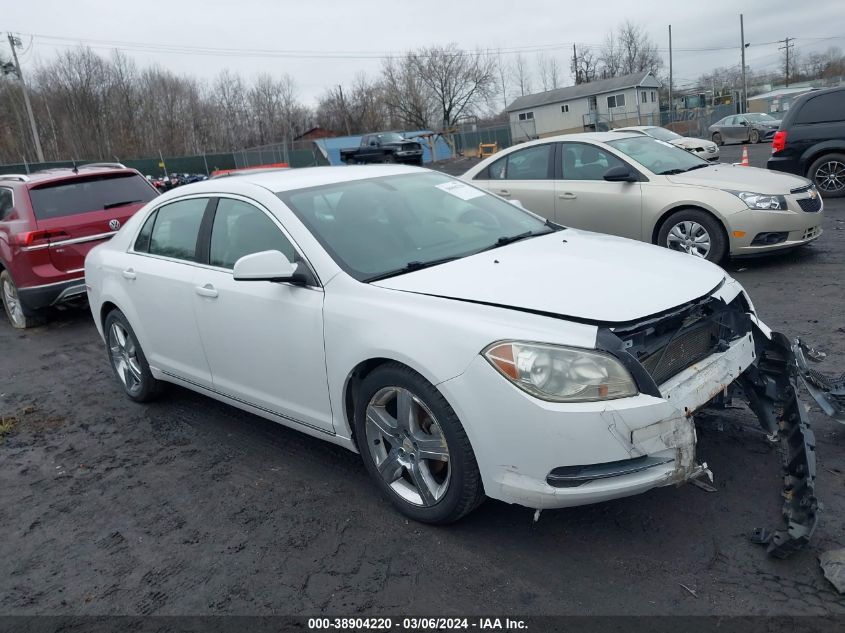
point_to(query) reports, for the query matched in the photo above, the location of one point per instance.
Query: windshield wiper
(671, 172)
(698, 167)
(409, 268)
(111, 205)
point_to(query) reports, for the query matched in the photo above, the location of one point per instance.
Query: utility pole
(744, 103)
(786, 46)
(575, 66)
(14, 43)
(671, 105)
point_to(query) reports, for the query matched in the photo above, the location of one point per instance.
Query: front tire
(754, 136)
(389, 159)
(127, 359)
(694, 232)
(12, 304)
(828, 172)
(414, 446)
(717, 138)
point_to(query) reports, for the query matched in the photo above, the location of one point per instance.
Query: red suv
(49, 220)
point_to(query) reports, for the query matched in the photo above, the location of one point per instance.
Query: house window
(616, 101)
(526, 116)
(564, 107)
(643, 97)
(653, 96)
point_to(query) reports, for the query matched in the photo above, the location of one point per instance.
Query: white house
(602, 105)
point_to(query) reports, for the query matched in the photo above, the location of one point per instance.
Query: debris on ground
(833, 565)
(692, 592)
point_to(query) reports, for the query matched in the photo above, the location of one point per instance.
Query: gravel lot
(188, 506)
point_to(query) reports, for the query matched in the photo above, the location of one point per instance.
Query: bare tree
(456, 80)
(549, 71)
(502, 79)
(584, 65)
(521, 75)
(405, 93)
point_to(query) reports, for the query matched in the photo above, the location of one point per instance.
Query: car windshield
(390, 137)
(662, 134)
(379, 227)
(659, 157)
(759, 118)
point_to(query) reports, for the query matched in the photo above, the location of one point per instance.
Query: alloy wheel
(408, 446)
(689, 237)
(13, 305)
(124, 357)
(830, 176)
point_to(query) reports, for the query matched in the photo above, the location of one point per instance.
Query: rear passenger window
(176, 227)
(142, 242)
(6, 201)
(531, 163)
(822, 109)
(241, 229)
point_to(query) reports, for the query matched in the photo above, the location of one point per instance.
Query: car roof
(596, 137)
(57, 174)
(278, 181)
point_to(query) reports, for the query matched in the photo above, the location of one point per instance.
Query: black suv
(811, 140)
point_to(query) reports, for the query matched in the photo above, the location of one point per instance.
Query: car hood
(691, 142)
(585, 276)
(736, 178)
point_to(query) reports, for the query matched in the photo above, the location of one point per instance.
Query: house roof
(559, 95)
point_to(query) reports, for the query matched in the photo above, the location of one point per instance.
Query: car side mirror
(743, 122)
(620, 174)
(267, 266)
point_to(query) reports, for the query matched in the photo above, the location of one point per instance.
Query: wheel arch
(815, 152)
(357, 375)
(105, 309)
(655, 230)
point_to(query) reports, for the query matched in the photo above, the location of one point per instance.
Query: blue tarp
(332, 146)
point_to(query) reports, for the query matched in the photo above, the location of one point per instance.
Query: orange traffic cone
(744, 162)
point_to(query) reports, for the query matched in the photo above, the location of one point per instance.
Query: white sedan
(464, 346)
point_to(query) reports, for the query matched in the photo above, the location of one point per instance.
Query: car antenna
(75, 168)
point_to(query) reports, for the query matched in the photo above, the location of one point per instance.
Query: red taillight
(36, 238)
(779, 141)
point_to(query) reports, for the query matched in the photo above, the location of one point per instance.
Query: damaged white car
(464, 346)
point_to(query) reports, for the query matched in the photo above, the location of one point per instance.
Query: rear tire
(682, 231)
(127, 359)
(398, 450)
(717, 138)
(15, 312)
(828, 173)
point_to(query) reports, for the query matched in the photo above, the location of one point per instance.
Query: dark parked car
(384, 147)
(49, 220)
(811, 141)
(752, 127)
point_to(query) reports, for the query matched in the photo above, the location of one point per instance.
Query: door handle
(504, 193)
(207, 291)
(129, 273)
(567, 196)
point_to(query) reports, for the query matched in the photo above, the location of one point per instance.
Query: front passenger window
(241, 229)
(176, 228)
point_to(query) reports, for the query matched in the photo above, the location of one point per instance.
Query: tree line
(91, 106)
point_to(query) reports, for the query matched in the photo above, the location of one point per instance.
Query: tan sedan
(639, 187)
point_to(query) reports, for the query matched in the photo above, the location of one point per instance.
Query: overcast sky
(350, 35)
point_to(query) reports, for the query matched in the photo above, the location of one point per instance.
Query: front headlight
(561, 374)
(761, 201)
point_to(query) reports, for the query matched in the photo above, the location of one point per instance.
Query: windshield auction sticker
(460, 190)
